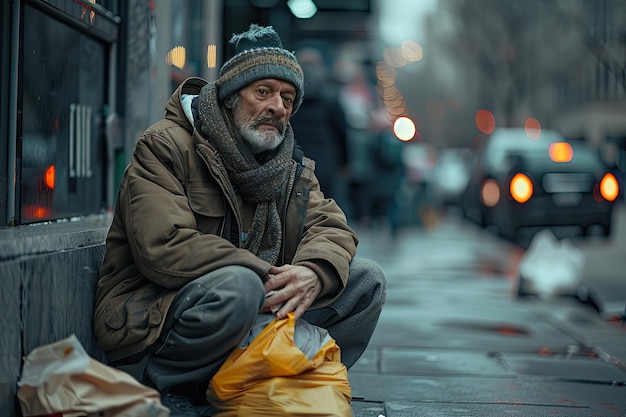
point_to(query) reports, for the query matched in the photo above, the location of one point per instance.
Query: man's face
(262, 111)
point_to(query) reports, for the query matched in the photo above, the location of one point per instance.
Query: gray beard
(260, 141)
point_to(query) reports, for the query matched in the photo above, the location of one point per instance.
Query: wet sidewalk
(453, 340)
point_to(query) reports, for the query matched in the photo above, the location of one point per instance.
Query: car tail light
(561, 152)
(490, 193)
(521, 188)
(609, 188)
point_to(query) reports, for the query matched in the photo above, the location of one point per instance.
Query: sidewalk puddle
(504, 329)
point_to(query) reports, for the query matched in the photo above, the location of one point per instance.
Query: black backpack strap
(298, 156)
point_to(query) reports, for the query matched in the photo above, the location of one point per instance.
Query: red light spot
(510, 330)
(533, 128)
(490, 193)
(485, 121)
(545, 351)
(596, 193)
(566, 401)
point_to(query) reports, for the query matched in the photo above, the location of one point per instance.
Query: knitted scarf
(258, 183)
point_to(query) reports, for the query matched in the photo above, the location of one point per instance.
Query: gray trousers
(212, 314)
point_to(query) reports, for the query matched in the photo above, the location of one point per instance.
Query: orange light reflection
(36, 212)
(49, 177)
(561, 152)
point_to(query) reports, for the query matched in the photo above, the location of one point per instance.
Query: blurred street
(455, 340)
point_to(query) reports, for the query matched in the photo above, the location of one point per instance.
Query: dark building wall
(48, 276)
(10, 337)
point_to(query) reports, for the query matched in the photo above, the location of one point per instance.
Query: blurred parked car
(523, 182)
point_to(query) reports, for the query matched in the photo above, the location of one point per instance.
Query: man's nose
(276, 106)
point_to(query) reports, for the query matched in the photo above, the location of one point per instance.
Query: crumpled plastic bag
(62, 379)
(550, 267)
(273, 376)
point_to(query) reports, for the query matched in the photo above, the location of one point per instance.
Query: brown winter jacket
(171, 225)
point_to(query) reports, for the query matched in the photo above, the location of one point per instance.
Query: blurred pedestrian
(320, 125)
(375, 165)
(387, 178)
(219, 218)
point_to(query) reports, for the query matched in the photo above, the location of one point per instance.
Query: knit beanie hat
(256, 54)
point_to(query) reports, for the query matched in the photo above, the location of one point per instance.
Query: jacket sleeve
(328, 244)
(161, 229)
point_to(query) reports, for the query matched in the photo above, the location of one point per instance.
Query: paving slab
(441, 362)
(362, 408)
(410, 409)
(514, 391)
(576, 368)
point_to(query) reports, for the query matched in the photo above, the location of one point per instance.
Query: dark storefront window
(5, 33)
(187, 31)
(62, 151)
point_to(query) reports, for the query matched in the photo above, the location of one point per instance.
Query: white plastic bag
(61, 378)
(550, 267)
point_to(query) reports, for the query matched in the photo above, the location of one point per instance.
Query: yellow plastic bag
(273, 377)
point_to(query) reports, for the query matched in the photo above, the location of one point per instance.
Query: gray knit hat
(256, 54)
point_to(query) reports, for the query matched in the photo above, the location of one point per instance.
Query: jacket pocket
(208, 206)
(131, 320)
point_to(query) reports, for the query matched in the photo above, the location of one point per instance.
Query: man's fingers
(289, 306)
(291, 289)
(276, 281)
(300, 311)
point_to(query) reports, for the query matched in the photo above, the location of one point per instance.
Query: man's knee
(239, 290)
(369, 275)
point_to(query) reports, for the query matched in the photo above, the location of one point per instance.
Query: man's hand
(295, 289)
